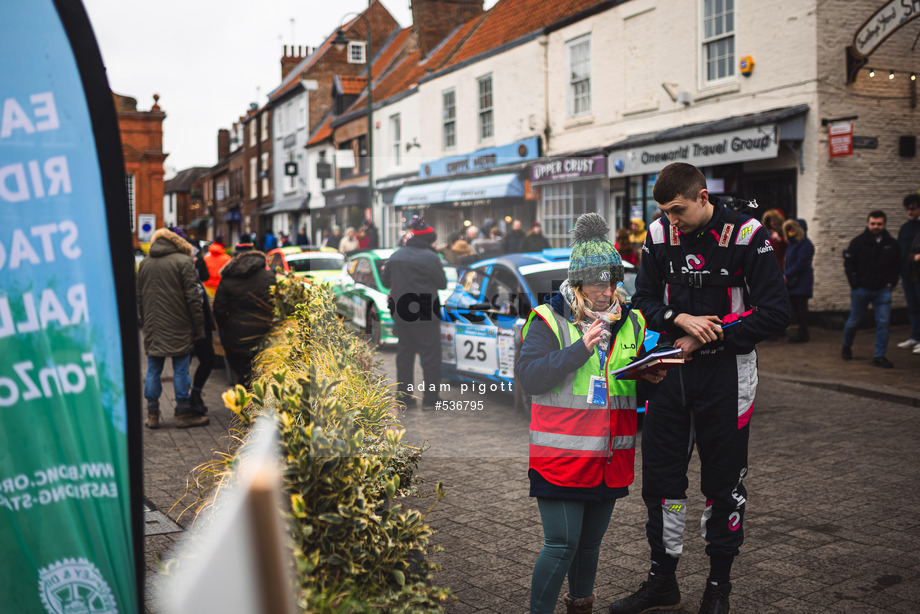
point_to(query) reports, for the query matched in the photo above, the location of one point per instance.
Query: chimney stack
(289, 61)
(223, 144)
(433, 20)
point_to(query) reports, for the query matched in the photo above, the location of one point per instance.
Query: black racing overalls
(728, 267)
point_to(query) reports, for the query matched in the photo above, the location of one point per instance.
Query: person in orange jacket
(215, 259)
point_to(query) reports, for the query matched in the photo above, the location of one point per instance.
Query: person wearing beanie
(583, 419)
(245, 244)
(414, 275)
(709, 283)
(799, 273)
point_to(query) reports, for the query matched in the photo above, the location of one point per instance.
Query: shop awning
(287, 206)
(505, 185)
(200, 223)
(351, 195)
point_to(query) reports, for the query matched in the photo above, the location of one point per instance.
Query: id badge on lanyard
(597, 391)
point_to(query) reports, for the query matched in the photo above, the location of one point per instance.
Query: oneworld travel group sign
(756, 143)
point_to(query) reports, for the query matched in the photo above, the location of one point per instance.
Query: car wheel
(373, 326)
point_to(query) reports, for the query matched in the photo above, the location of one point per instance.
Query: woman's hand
(593, 334)
(654, 376)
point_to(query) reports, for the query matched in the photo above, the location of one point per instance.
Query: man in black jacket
(710, 283)
(872, 264)
(243, 310)
(414, 275)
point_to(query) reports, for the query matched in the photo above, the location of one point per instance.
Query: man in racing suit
(710, 283)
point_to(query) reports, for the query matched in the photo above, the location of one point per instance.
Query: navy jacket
(414, 274)
(906, 235)
(872, 264)
(800, 275)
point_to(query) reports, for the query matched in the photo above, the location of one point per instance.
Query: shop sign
(567, 169)
(840, 139)
(755, 143)
(888, 18)
(519, 151)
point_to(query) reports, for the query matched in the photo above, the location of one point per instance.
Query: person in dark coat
(245, 244)
(799, 273)
(302, 239)
(515, 238)
(535, 241)
(414, 275)
(907, 236)
(243, 309)
(169, 305)
(872, 263)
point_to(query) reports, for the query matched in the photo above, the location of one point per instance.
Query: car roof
(373, 254)
(312, 255)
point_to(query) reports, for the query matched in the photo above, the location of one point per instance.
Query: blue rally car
(483, 317)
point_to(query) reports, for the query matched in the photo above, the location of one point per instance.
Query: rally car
(311, 264)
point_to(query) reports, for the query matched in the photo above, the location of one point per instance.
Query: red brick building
(142, 147)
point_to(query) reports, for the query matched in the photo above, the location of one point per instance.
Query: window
(718, 39)
(265, 175)
(486, 130)
(562, 204)
(253, 177)
(129, 192)
(356, 52)
(395, 139)
(579, 56)
(280, 115)
(449, 138)
(290, 180)
(253, 135)
(264, 121)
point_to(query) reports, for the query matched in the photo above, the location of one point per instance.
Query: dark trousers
(204, 352)
(241, 365)
(424, 339)
(706, 403)
(800, 309)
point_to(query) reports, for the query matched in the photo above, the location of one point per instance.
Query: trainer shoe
(656, 593)
(881, 361)
(916, 350)
(910, 343)
(715, 598)
(846, 353)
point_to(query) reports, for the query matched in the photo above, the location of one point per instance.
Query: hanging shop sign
(71, 502)
(885, 21)
(755, 143)
(840, 139)
(519, 151)
(568, 169)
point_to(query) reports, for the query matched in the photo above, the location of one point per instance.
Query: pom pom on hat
(594, 259)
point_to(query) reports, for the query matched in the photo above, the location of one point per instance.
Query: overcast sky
(208, 59)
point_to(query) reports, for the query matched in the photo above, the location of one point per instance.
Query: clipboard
(655, 361)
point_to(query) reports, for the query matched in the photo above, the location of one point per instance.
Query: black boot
(656, 593)
(715, 598)
(198, 403)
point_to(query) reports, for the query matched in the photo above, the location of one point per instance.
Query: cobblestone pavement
(830, 527)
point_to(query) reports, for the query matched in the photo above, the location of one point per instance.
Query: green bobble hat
(594, 260)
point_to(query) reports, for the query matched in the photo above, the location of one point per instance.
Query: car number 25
(477, 348)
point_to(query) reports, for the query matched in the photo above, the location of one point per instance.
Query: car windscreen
(301, 265)
(542, 283)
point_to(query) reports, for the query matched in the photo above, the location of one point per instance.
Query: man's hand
(689, 345)
(702, 328)
(593, 334)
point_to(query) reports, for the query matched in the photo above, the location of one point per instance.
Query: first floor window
(486, 129)
(579, 59)
(449, 101)
(396, 138)
(718, 39)
(253, 177)
(562, 204)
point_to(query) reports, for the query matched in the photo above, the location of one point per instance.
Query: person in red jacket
(215, 259)
(583, 419)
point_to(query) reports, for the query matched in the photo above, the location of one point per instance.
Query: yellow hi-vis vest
(576, 443)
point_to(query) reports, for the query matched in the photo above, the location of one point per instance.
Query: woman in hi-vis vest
(583, 420)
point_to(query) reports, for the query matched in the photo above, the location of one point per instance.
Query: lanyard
(603, 357)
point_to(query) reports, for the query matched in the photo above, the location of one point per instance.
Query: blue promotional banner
(69, 493)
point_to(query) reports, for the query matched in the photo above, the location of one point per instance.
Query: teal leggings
(572, 533)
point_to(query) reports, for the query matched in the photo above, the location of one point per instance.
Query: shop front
(345, 206)
(755, 156)
(566, 187)
(469, 190)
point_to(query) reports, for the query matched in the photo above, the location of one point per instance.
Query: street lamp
(341, 42)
